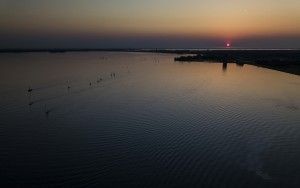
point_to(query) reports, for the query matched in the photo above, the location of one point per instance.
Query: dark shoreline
(285, 60)
(282, 60)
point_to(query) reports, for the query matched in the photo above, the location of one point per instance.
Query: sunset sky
(145, 23)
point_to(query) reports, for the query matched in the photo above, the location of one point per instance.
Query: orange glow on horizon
(216, 20)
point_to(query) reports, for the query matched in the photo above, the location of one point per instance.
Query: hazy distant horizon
(74, 42)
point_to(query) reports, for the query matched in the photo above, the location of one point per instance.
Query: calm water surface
(157, 123)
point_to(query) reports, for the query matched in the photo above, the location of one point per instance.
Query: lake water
(156, 123)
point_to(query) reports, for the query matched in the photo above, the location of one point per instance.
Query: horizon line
(63, 50)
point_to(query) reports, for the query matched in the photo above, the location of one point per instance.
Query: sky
(149, 24)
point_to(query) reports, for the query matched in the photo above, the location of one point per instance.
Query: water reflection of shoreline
(224, 67)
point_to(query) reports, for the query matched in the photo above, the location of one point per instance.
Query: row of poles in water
(47, 111)
(112, 75)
